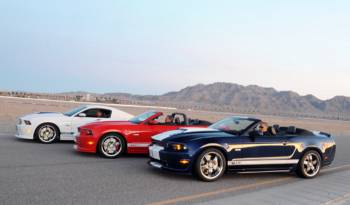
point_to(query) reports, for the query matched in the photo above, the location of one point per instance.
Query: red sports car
(111, 139)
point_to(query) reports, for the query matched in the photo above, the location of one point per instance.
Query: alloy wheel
(211, 165)
(311, 164)
(47, 133)
(111, 146)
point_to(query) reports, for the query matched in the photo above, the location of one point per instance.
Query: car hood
(43, 115)
(187, 134)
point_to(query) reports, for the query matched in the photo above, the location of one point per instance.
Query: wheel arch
(313, 148)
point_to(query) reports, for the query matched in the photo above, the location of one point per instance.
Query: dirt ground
(11, 108)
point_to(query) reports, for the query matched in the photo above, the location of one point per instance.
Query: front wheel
(309, 165)
(210, 165)
(47, 133)
(112, 146)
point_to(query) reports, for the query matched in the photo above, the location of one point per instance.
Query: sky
(152, 47)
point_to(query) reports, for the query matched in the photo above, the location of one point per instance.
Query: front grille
(159, 143)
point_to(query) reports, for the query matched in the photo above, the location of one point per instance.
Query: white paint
(154, 151)
(138, 144)
(67, 125)
(156, 165)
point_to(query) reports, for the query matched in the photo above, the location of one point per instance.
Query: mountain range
(230, 97)
(247, 99)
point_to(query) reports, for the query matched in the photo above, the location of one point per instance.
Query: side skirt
(267, 169)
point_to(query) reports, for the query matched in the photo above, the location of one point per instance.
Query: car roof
(100, 106)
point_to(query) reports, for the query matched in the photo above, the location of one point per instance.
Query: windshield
(142, 117)
(233, 125)
(74, 111)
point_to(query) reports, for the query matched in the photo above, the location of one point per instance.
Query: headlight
(86, 131)
(19, 121)
(27, 122)
(177, 147)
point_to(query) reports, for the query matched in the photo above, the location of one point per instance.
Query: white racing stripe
(262, 162)
(165, 135)
(138, 144)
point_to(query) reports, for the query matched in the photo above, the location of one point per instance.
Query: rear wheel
(112, 146)
(210, 165)
(47, 133)
(309, 165)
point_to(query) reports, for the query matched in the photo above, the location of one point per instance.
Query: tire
(210, 165)
(309, 165)
(112, 146)
(47, 133)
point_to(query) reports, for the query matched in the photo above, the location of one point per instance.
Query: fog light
(90, 142)
(28, 131)
(184, 161)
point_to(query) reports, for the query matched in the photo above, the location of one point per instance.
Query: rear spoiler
(322, 133)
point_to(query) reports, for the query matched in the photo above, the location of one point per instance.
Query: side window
(98, 113)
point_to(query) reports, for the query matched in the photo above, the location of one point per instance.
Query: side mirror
(152, 122)
(81, 115)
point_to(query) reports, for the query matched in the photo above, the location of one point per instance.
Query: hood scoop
(46, 112)
(165, 135)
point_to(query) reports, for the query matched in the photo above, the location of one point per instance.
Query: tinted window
(98, 113)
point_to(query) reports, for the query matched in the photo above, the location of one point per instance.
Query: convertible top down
(111, 139)
(233, 144)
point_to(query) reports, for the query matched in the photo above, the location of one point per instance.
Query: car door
(263, 150)
(269, 146)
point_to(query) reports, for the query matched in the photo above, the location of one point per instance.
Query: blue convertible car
(235, 144)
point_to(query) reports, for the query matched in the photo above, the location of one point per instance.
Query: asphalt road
(33, 173)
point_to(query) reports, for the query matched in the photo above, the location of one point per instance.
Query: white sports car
(48, 127)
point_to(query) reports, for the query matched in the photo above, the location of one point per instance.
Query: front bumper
(86, 144)
(24, 132)
(169, 160)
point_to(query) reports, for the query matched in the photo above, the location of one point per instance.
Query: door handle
(284, 143)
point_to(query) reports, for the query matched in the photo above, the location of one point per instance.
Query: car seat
(277, 128)
(291, 130)
(177, 121)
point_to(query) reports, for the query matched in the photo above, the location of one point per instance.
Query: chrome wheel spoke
(312, 167)
(207, 157)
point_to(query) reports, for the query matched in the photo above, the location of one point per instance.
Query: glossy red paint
(136, 134)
